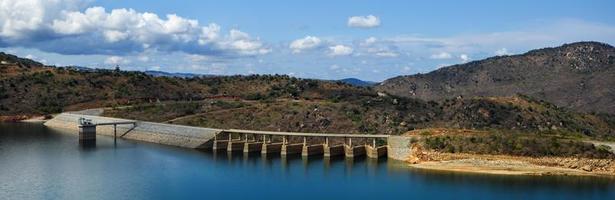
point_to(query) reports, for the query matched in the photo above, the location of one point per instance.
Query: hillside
(378, 115)
(35, 89)
(358, 82)
(277, 102)
(579, 76)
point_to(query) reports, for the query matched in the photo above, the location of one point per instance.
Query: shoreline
(515, 165)
(474, 163)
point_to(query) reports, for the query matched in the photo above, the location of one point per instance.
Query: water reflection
(87, 144)
(318, 163)
(38, 163)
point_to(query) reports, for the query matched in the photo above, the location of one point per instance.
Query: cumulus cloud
(309, 42)
(369, 41)
(60, 26)
(464, 57)
(116, 60)
(441, 55)
(502, 52)
(340, 50)
(369, 21)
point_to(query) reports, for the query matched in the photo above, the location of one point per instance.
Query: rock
(586, 168)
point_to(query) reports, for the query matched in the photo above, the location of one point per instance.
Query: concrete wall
(184, 136)
(168, 134)
(399, 147)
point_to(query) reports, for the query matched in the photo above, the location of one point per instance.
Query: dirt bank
(15, 118)
(510, 165)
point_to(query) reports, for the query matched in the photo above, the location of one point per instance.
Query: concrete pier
(220, 145)
(354, 151)
(235, 145)
(375, 152)
(309, 150)
(289, 149)
(252, 147)
(269, 148)
(335, 150)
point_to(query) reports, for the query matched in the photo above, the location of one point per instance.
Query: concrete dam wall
(397, 147)
(167, 134)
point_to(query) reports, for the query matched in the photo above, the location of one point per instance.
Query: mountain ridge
(576, 75)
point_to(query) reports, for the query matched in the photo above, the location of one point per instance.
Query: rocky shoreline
(510, 165)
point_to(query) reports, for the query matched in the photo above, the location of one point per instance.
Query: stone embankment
(167, 134)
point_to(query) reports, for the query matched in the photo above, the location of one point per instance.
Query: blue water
(39, 163)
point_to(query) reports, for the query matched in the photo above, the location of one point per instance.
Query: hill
(34, 89)
(277, 102)
(170, 74)
(357, 82)
(579, 76)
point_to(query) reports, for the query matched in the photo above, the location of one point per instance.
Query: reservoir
(41, 163)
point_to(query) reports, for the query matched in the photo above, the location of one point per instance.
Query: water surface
(40, 163)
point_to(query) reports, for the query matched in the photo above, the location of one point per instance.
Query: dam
(246, 141)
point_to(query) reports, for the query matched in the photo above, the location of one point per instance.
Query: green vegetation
(518, 145)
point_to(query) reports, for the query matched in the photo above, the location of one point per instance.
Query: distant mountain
(170, 74)
(80, 68)
(580, 76)
(8, 59)
(357, 82)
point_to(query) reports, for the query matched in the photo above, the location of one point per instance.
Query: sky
(367, 39)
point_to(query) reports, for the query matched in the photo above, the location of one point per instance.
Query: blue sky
(371, 40)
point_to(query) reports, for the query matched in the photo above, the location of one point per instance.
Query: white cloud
(334, 67)
(369, 41)
(464, 58)
(502, 52)
(143, 58)
(116, 60)
(369, 21)
(309, 42)
(197, 58)
(60, 26)
(115, 36)
(387, 54)
(442, 65)
(243, 44)
(406, 69)
(30, 56)
(441, 55)
(340, 50)
(540, 35)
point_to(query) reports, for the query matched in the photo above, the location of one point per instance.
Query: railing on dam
(306, 144)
